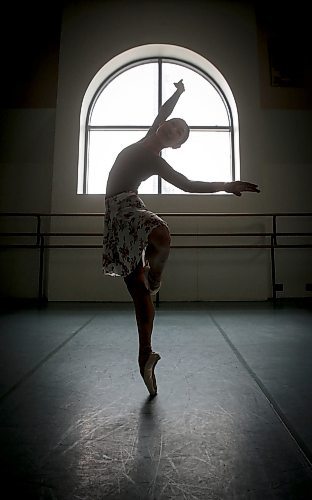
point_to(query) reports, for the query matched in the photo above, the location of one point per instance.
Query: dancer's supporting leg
(156, 253)
(144, 312)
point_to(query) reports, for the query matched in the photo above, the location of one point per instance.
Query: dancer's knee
(142, 302)
(135, 286)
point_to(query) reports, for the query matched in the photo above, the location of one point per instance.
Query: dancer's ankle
(144, 353)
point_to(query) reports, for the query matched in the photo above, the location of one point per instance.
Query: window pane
(150, 186)
(130, 99)
(205, 156)
(104, 147)
(200, 104)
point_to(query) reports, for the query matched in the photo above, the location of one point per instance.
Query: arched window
(126, 103)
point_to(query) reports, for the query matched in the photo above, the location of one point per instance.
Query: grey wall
(275, 146)
(28, 90)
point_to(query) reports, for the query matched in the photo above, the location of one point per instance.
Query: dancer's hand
(237, 187)
(180, 86)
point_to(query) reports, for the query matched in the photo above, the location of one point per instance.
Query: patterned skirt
(127, 225)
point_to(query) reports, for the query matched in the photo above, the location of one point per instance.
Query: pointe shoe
(152, 290)
(149, 375)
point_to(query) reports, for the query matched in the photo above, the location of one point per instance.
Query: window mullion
(109, 128)
(159, 106)
(213, 128)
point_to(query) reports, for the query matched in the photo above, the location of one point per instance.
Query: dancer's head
(173, 133)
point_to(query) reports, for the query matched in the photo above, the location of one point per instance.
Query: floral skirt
(127, 225)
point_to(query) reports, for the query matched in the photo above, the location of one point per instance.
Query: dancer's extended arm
(180, 181)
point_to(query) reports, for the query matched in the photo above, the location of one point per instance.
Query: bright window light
(125, 107)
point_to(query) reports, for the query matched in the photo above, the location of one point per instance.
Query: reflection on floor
(232, 419)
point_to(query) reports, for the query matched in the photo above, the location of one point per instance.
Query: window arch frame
(217, 81)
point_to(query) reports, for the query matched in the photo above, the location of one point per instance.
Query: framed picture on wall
(286, 62)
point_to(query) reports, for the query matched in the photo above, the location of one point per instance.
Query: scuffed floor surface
(232, 420)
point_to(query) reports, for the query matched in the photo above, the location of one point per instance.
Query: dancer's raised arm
(167, 108)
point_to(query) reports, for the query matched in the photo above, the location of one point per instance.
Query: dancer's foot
(148, 373)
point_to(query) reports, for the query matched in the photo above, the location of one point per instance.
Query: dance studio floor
(232, 418)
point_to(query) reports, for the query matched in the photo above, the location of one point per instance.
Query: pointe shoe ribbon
(153, 291)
